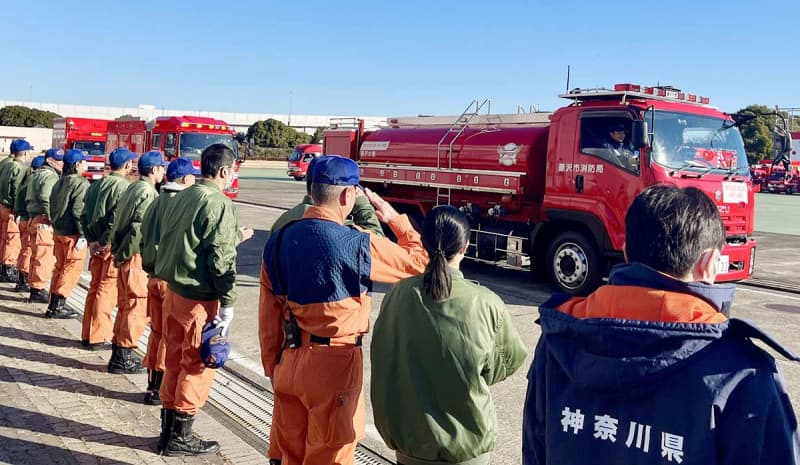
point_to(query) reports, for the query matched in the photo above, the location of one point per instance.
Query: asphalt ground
(777, 313)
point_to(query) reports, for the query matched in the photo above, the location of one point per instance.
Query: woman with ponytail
(439, 342)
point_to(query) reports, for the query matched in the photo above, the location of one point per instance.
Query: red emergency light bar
(662, 91)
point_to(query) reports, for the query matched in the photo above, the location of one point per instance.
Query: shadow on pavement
(21, 451)
(49, 358)
(55, 341)
(19, 311)
(60, 383)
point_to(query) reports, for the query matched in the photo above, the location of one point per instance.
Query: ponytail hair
(71, 168)
(445, 233)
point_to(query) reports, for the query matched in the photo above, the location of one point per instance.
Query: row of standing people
(168, 258)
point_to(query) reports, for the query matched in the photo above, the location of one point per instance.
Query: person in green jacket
(97, 219)
(126, 239)
(197, 259)
(66, 207)
(38, 206)
(439, 342)
(12, 172)
(23, 220)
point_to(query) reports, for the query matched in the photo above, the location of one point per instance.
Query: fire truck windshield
(90, 148)
(193, 143)
(690, 142)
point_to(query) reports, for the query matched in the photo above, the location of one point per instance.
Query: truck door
(606, 170)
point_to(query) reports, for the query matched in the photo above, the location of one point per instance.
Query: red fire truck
(86, 134)
(549, 192)
(177, 136)
(300, 158)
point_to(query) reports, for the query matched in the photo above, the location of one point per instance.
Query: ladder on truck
(448, 140)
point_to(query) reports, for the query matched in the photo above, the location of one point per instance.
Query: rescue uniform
(66, 207)
(647, 370)
(153, 218)
(126, 239)
(319, 403)
(41, 230)
(197, 259)
(12, 173)
(432, 364)
(24, 259)
(97, 219)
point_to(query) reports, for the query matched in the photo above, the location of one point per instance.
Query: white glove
(81, 244)
(18, 219)
(45, 227)
(223, 319)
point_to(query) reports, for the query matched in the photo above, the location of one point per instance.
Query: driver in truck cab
(619, 148)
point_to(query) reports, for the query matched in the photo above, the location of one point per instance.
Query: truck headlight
(752, 262)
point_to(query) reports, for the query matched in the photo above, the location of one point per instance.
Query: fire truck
(549, 192)
(86, 134)
(300, 158)
(177, 136)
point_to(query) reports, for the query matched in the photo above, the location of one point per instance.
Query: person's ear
(705, 269)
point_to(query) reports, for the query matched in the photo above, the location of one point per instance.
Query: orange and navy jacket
(328, 270)
(647, 370)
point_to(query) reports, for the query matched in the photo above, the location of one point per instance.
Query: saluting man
(70, 246)
(126, 239)
(41, 230)
(97, 219)
(197, 259)
(23, 220)
(12, 173)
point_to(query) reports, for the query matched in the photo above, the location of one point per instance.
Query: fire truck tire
(298, 178)
(789, 191)
(574, 264)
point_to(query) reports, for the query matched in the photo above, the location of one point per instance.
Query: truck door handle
(579, 183)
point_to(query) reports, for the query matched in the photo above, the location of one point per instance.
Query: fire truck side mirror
(639, 137)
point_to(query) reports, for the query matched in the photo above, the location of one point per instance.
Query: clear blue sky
(392, 58)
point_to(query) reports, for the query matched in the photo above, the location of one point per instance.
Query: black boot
(4, 274)
(59, 308)
(153, 396)
(39, 296)
(184, 442)
(11, 273)
(22, 283)
(167, 420)
(125, 362)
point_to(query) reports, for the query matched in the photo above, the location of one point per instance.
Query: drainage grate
(248, 405)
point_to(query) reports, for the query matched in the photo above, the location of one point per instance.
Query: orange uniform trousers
(100, 301)
(24, 259)
(69, 264)
(42, 259)
(187, 381)
(131, 303)
(319, 413)
(156, 347)
(10, 236)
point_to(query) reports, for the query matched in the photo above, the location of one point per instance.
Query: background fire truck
(545, 192)
(297, 165)
(177, 136)
(86, 134)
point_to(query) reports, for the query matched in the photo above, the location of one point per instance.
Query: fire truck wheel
(574, 264)
(299, 178)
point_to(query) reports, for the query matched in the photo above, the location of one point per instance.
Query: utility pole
(290, 109)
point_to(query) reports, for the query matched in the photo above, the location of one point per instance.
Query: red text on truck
(550, 192)
(86, 134)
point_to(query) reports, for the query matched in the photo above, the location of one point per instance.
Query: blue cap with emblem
(74, 156)
(119, 157)
(336, 170)
(214, 348)
(181, 167)
(55, 154)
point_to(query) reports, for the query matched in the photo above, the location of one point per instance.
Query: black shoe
(60, 309)
(167, 421)
(39, 296)
(4, 278)
(10, 273)
(124, 362)
(153, 396)
(184, 442)
(22, 283)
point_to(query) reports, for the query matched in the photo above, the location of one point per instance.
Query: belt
(336, 340)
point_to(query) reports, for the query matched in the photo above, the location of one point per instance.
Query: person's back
(648, 369)
(435, 356)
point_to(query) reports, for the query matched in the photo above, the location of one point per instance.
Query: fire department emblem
(508, 153)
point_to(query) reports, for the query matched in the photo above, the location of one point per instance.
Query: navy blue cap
(179, 168)
(336, 170)
(119, 157)
(151, 159)
(37, 162)
(74, 156)
(55, 154)
(215, 348)
(20, 145)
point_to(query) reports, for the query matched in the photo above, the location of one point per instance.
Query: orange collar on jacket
(322, 213)
(642, 303)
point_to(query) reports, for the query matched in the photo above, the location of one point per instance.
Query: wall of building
(40, 138)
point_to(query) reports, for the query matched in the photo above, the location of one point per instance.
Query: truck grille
(735, 224)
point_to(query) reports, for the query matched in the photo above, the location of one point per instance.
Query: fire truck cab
(86, 134)
(550, 192)
(300, 158)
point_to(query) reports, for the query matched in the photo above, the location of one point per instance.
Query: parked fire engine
(300, 158)
(549, 192)
(87, 134)
(177, 136)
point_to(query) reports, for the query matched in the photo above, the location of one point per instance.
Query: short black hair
(69, 168)
(214, 157)
(667, 228)
(146, 171)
